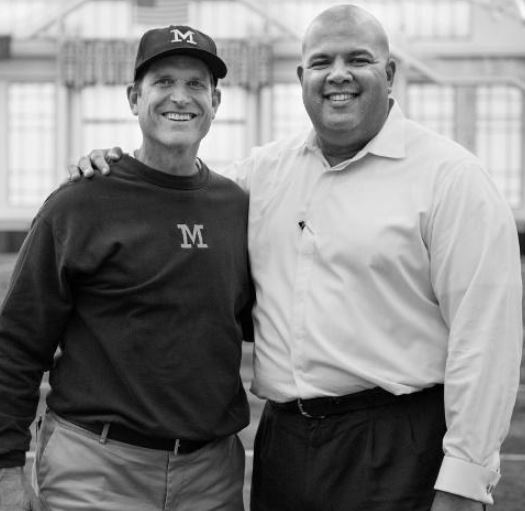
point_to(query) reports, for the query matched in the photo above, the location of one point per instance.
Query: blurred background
(64, 65)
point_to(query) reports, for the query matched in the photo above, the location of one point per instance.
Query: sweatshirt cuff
(467, 479)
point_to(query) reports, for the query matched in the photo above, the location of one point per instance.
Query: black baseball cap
(179, 39)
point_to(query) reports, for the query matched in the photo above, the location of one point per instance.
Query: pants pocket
(45, 432)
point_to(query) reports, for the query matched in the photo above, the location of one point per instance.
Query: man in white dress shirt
(388, 315)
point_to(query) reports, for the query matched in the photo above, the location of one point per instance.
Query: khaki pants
(75, 471)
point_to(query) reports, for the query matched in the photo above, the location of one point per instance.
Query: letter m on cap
(179, 37)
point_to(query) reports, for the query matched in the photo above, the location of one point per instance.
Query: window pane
(414, 18)
(227, 138)
(92, 18)
(289, 115)
(227, 19)
(107, 120)
(499, 137)
(224, 144)
(31, 142)
(433, 106)
(431, 19)
(18, 14)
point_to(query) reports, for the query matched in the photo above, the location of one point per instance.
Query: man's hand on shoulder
(444, 501)
(16, 493)
(98, 159)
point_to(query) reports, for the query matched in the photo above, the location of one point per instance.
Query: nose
(340, 71)
(179, 94)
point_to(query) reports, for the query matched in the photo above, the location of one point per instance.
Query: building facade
(64, 65)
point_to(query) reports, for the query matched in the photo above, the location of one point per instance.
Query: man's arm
(476, 277)
(98, 159)
(32, 319)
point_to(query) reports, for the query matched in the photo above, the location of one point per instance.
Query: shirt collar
(388, 143)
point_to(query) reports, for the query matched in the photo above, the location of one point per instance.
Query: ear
(133, 94)
(216, 96)
(300, 71)
(390, 72)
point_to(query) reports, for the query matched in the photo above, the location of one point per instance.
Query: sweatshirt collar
(193, 182)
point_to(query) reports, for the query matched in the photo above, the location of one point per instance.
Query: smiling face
(175, 103)
(346, 75)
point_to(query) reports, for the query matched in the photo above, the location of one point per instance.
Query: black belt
(129, 436)
(321, 407)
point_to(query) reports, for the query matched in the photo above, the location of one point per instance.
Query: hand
(444, 501)
(98, 159)
(16, 493)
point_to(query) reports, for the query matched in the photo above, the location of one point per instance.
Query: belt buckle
(304, 413)
(176, 446)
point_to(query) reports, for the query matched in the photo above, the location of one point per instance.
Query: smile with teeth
(341, 96)
(179, 116)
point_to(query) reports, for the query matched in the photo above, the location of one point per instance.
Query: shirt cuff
(467, 479)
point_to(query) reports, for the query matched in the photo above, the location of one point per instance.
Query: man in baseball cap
(149, 298)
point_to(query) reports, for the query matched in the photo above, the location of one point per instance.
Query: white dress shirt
(398, 268)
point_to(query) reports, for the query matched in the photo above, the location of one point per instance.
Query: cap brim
(215, 64)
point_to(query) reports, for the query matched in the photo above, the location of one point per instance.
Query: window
(432, 19)
(499, 137)
(226, 19)
(433, 106)
(94, 18)
(227, 138)
(17, 15)
(31, 143)
(289, 115)
(436, 19)
(107, 120)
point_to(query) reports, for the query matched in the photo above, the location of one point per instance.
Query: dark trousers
(381, 456)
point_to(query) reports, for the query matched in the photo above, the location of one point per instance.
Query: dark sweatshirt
(142, 279)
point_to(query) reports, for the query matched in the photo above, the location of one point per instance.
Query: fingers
(114, 154)
(73, 172)
(98, 161)
(84, 166)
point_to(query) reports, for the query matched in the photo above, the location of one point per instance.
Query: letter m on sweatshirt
(192, 238)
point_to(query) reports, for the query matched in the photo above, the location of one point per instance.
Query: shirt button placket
(302, 280)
